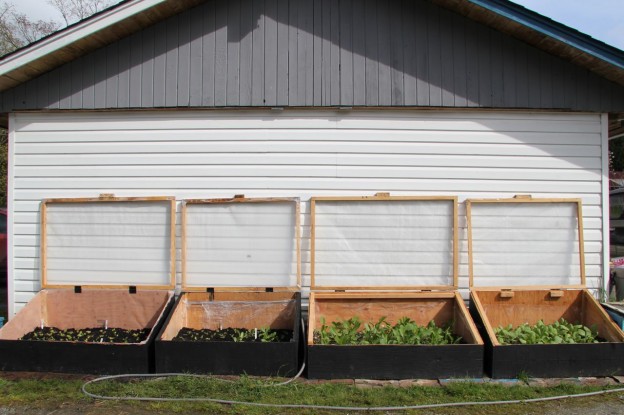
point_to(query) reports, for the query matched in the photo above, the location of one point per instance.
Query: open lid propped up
(384, 243)
(108, 242)
(241, 244)
(525, 243)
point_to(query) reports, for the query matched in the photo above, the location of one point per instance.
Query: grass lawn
(51, 392)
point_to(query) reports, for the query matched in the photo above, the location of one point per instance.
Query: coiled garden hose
(304, 406)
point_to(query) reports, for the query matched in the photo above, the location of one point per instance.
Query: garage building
(301, 98)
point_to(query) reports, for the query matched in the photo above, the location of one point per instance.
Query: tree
(75, 10)
(18, 30)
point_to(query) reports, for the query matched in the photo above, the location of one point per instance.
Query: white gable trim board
(290, 153)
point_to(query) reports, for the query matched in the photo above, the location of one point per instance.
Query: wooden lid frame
(108, 198)
(385, 197)
(241, 199)
(526, 199)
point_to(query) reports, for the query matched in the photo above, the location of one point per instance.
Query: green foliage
(241, 335)
(560, 332)
(616, 154)
(267, 335)
(405, 331)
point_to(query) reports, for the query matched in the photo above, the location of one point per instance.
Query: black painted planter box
(232, 358)
(394, 361)
(489, 309)
(76, 357)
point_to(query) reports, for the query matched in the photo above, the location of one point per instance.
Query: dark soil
(234, 335)
(89, 335)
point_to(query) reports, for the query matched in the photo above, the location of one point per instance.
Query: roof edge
(72, 33)
(555, 30)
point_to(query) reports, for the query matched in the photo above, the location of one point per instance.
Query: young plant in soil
(88, 335)
(405, 331)
(260, 335)
(560, 332)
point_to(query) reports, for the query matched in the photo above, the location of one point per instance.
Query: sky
(601, 19)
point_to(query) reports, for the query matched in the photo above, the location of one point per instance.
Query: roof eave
(83, 37)
(545, 34)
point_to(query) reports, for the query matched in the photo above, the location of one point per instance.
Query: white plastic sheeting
(525, 244)
(384, 243)
(217, 315)
(108, 243)
(241, 245)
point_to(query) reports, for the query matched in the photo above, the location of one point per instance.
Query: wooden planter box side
(490, 310)
(65, 309)
(261, 359)
(394, 361)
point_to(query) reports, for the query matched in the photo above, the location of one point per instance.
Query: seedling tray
(386, 244)
(241, 269)
(542, 245)
(89, 235)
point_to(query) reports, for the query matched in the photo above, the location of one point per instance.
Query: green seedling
(267, 335)
(559, 332)
(405, 331)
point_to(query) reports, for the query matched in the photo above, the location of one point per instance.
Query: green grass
(53, 393)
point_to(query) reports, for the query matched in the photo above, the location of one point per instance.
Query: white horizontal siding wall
(205, 154)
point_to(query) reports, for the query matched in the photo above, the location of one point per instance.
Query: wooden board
(382, 197)
(241, 310)
(65, 309)
(530, 306)
(369, 307)
(239, 199)
(106, 199)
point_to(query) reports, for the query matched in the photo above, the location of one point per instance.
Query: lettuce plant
(560, 332)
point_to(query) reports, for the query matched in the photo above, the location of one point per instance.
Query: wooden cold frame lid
(384, 242)
(513, 241)
(241, 244)
(108, 242)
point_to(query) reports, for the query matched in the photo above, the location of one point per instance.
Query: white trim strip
(606, 251)
(10, 210)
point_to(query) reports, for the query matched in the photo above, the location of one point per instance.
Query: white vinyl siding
(263, 153)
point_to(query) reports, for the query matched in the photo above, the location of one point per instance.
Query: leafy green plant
(241, 335)
(560, 332)
(405, 331)
(345, 331)
(267, 335)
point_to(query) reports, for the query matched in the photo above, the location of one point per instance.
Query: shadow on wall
(316, 53)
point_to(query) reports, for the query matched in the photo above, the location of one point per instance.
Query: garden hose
(309, 406)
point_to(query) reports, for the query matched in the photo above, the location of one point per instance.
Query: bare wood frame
(108, 198)
(243, 199)
(376, 198)
(527, 199)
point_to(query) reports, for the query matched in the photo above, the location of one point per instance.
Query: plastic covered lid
(384, 242)
(108, 242)
(241, 243)
(525, 242)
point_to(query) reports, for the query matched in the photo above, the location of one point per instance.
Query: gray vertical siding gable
(317, 53)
